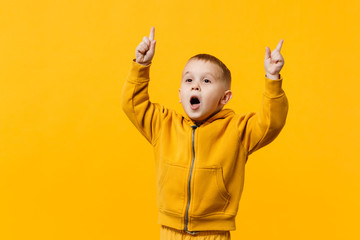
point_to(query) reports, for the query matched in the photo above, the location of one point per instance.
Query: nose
(195, 86)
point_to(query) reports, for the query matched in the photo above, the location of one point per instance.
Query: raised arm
(262, 127)
(135, 102)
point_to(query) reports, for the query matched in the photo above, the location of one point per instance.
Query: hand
(144, 52)
(274, 61)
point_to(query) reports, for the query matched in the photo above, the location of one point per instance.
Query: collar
(225, 112)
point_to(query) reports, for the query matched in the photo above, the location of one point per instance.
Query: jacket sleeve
(135, 102)
(262, 127)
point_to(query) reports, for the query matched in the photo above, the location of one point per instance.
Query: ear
(179, 95)
(226, 98)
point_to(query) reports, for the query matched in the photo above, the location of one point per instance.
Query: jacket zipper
(189, 183)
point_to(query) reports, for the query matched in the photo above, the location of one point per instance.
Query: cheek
(183, 96)
(213, 97)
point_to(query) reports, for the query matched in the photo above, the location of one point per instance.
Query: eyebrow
(205, 73)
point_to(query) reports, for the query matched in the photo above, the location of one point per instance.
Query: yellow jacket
(200, 169)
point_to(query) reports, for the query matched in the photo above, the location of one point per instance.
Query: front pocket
(209, 194)
(172, 188)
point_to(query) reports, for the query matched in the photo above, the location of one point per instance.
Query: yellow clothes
(200, 169)
(167, 233)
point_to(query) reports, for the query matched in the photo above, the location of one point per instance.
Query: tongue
(195, 106)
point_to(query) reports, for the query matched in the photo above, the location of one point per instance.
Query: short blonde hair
(209, 58)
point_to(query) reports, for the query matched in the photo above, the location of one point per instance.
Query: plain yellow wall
(73, 167)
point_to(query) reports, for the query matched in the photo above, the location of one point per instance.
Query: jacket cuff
(273, 87)
(139, 73)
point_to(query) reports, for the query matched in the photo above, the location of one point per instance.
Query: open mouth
(194, 102)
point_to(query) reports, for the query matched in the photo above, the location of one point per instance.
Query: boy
(200, 157)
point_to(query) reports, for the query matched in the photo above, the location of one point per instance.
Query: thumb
(152, 48)
(153, 43)
(267, 53)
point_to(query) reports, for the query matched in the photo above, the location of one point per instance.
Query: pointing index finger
(278, 47)
(152, 33)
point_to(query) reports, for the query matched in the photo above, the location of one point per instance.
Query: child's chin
(196, 118)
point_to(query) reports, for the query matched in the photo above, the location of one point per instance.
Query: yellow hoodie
(200, 169)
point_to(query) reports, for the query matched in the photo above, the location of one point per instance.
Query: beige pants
(167, 233)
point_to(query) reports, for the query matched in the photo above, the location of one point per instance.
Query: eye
(207, 81)
(188, 80)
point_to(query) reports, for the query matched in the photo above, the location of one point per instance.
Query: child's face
(203, 91)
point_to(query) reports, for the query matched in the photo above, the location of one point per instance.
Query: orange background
(73, 167)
